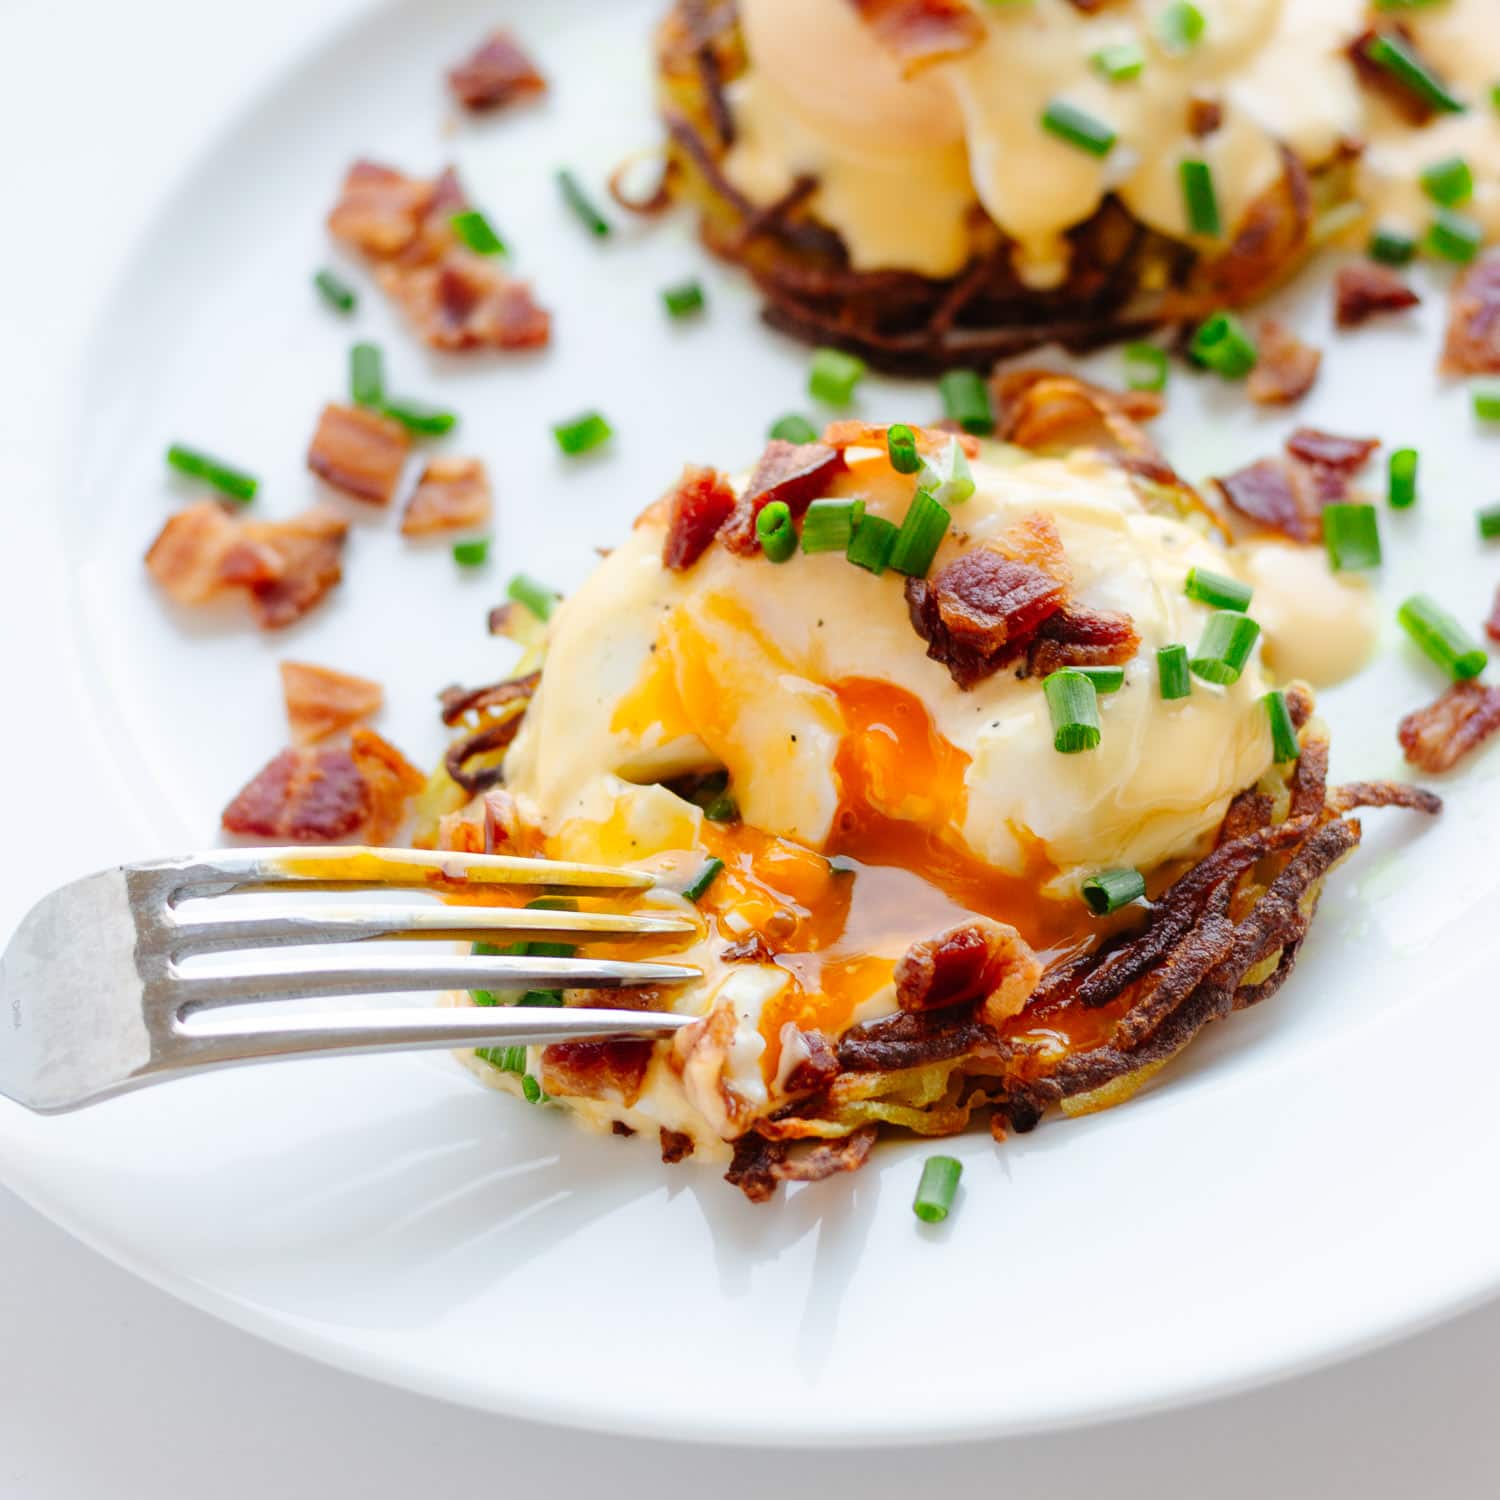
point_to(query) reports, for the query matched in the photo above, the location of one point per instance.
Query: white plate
(1313, 1179)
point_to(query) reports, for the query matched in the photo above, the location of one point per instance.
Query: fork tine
(311, 978)
(360, 865)
(278, 925)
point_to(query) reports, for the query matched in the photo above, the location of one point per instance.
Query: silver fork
(95, 1000)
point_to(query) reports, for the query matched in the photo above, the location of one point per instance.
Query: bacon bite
(359, 452)
(1366, 289)
(497, 74)
(1473, 342)
(1437, 737)
(919, 33)
(699, 505)
(453, 494)
(321, 702)
(1288, 494)
(1287, 368)
(794, 473)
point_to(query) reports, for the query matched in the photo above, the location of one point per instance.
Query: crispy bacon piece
(794, 473)
(380, 211)
(700, 505)
(919, 33)
(327, 796)
(759, 1164)
(1415, 106)
(855, 434)
(1276, 493)
(1079, 637)
(974, 960)
(675, 1146)
(359, 452)
(1437, 737)
(1205, 114)
(815, 1063)
(1366, 289)
(596, 1070)
(309, 551)
(1492, 624)
(1472, 346)
(498, 73)
(321, 702)
(188, 557)
(1328, 450)
(1041, 409)
(979, 612)
(453, 494)
(1287, 368)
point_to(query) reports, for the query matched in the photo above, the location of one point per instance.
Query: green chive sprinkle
(1200, 198)
(235, 483)
(1225, 646)
(723, 809)
(901, 444)
(703, 879)
(872, 543)
(1285, 745)
(472, 554)
(1109, 890)
(417, 416)
(477, 233)
(1495, 96)
(829, 524)
(1453, 236)
(1486, 400)
(1392, 53)
(336, 292)
(532, 1089)
(1074, 707)
(1402, 491)
(1119, 63)
(947, 474)
(582, 434)
(922, 530)
(1172, 672)
(530, 594)
(1181, 26)
(1407, 4)
(366, 375)
(513, 1060)
(1078, 128)
(775, 532)
(966, 400)
(1145, 367)
(1489, 522)
(1217, 589)
(833, 377)
(685, 300)
(1352, 535)
(1442, 637)
(1392, 247)
(1105, 679)
(1223, 345)
(794, 429)
(1449, 182)
(936, 1190)
(488, 997)
(583, 209)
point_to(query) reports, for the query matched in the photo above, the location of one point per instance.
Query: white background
(107, 1388)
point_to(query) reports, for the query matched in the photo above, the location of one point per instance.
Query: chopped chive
(937, 1189)
(1200, 198)
(1449, 182)
(582, 434)
(1223, 345)
(1495, 96)
(1105, 679)
(235, 483)
(1172, 673)
(1442, 637)
(583, 209)
(1225, 646)
(1352, 535)
(901, 444)
(966, 400)
(1454, 236)
(794, 429)
(1217, 589)
(532, 1089)
(684, 300)
(1407, 4)
(1109, 890)
(703, 879)
(1392, 53)
(1181, 26)
(871, 545)
(512, 1060)
(723, 809)
(477, 233)
(947, 475)
(489, 950)
(833, 376)
(775, 532)
(1487, 403)
(1392, 246)
(1402, 470)
(542, 999)
(1120, 62)
(553, 903)
(829, 524)
(417, 416)
(336, 292)
(922, 530)
(1489, 522)
(366, 375)
(1074, 707)
(1145, 367)
(1078, 128)
(530, 594)
(472, 554)
(1284, 743)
